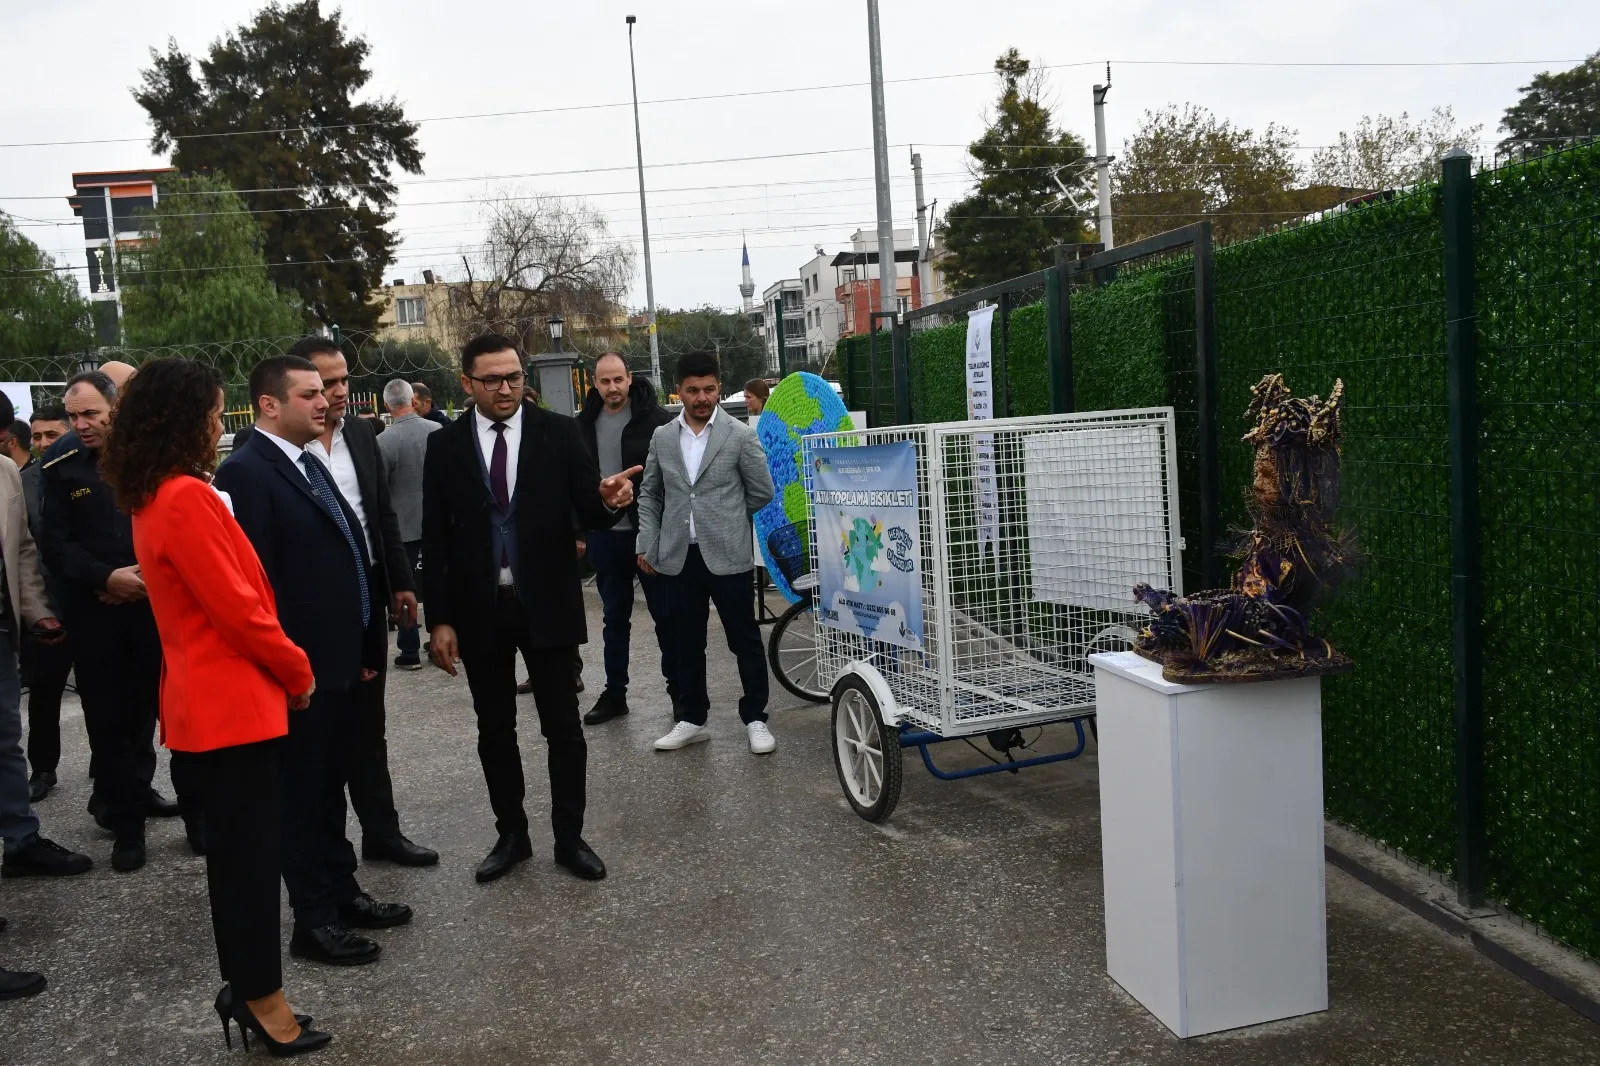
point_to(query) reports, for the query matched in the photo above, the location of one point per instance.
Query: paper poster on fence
(980, 404)
(869, 558)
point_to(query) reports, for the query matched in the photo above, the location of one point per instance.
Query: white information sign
(980, 404)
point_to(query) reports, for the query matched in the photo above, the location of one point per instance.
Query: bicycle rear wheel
(792, 652)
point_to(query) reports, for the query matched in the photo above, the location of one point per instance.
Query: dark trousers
(45, 671)
(237, 792)
(689, 598)
(363, 739)
(408, 641)
(319, 864)
(611, 553)
(489, 653)
(119, 682)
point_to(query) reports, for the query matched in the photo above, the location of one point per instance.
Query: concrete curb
(1503, 955)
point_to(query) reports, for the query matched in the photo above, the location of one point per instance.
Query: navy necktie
(497, 480)
(324, 491)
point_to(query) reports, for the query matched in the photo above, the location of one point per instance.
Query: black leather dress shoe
(45, 858)
(398, 850)
(509, 850)
(611, 704)
(16, 984)
(582, 861)
(333, 944)
(364, 912)
(39, 786)
(160, 806)
(127, 854)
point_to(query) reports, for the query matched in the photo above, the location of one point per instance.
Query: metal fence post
(1205, 330)
(1001, 372)
(901, 348)
(1058, 339)
(783, 353)
(1466, 590)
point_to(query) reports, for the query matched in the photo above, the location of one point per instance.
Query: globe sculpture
(800, 404)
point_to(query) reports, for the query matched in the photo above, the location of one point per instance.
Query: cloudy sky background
(66, 68)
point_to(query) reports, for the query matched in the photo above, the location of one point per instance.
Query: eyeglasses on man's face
(496, 382)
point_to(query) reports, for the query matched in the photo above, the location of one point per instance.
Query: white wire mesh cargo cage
(966, 571)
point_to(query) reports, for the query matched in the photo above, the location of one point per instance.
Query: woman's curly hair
(161, 427)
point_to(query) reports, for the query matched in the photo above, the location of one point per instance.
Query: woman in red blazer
(229, 678)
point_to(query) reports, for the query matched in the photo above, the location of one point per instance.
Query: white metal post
(644, 226)
(924, 253)
(880, 166)
(1102, 161)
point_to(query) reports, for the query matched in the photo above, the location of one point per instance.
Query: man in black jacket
(51, 664)
(618, 418)
(319, 563)
(87, 544)
(499, 486)
(348, 447)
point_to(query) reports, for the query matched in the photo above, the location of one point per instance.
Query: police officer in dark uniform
(87, 543)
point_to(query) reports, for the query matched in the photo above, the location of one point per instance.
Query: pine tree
(274, 108)
(1555, 109)
(1018, 213)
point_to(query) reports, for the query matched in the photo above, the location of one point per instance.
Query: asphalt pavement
(749, 917)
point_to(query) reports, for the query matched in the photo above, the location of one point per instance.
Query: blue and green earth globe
(800, 404)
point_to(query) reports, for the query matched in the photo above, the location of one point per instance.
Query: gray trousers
(19, 826)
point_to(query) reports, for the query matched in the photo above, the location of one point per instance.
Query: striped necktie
(330, 500)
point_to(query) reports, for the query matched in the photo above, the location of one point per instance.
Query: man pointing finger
(499, 487)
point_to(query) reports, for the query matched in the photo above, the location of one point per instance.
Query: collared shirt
(693, 446)
(484, 427)
(343, 468)
(294, 452)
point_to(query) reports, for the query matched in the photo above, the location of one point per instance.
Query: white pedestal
(1211, 832)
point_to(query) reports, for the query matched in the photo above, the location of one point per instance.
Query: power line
(809, 89)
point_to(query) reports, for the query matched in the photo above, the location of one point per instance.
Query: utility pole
(644, 222)
(880, 166)
(924, 271)
(1102, 161)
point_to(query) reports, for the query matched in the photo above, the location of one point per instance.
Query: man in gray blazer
(705, 477)
(403, 447)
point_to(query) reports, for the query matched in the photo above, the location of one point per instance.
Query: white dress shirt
(343, 468)
(293, 451)
(484, 427)
(693, 446)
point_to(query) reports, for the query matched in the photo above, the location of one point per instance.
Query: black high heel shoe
(231, 1011)
(224, 1008)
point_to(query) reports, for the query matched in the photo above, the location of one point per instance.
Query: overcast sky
(66, 68)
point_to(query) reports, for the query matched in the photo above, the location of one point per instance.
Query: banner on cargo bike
(869, 558)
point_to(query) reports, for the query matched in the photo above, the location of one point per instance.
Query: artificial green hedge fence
(1360, 296)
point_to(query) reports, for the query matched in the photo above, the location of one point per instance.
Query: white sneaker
(762, 742)
(683, 734)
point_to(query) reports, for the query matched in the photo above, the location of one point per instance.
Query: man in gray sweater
(403, 446)
(706, 476)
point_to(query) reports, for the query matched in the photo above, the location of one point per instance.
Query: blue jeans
(18, 824)
(611, 553)
(408, 641)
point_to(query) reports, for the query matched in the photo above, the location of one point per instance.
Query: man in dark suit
(348, 447)
(311, 545)
(500, 485)
(87, 544)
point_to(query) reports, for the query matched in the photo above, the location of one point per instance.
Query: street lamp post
(644, 218)
(554, 372)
